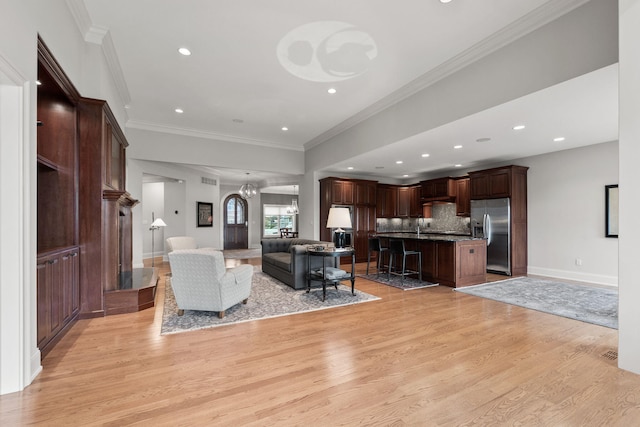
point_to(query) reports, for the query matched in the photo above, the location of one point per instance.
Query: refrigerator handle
(487, 228)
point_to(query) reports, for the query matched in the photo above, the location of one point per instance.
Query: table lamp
(339, 218)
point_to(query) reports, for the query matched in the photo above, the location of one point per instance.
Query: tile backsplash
(443, 219)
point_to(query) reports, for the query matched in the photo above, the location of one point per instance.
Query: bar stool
(396, 247)
(375, 246)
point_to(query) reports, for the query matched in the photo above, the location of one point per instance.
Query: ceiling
(258, 66)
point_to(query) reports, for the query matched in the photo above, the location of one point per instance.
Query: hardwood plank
(422, 357)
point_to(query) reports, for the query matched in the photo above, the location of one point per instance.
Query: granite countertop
(441, 236)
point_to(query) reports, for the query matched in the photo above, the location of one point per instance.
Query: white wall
(566, 213)
(175, 196)
(629, 318)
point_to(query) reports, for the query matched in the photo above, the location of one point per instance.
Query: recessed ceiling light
(445, 1)
(425, 155)
(332, 91)
(284, 128)
(457, 147)
(483, 139)
(184, 51)
(405, 176)
(399, 162)
(559, 139)
(458, 165)
(179, 110)
(350, 168)
(519, 127)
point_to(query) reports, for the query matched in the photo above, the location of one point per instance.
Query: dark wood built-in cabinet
(361, 196)
(509, 182)
(84, 212)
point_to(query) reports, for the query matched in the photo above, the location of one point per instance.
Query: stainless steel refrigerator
(491, 219)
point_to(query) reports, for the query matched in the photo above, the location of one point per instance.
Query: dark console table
(330, 253)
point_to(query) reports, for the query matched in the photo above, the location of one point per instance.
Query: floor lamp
(156, 224)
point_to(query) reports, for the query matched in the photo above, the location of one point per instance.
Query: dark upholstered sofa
(286, 260)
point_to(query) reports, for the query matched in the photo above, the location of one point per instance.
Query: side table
(330, 253)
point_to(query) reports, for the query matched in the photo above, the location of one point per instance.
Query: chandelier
(248, 190)
(293, 209)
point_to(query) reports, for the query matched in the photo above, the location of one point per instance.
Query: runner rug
(408, 284)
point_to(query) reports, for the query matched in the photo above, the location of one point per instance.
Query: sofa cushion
(279, 259)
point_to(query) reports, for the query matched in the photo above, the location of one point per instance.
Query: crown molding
(196, 133)
(80, 15)
(534, 20)
(102, 37)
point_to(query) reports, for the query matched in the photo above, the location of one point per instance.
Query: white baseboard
(36, 366)
(597, 279)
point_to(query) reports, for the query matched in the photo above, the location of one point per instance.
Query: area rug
(396, 281)
(580, 302)
(269, 298)
(242, 253)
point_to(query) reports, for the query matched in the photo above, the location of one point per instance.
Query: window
(275, 218)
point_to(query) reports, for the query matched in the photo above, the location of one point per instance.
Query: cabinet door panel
(499, 183)
(403, 202)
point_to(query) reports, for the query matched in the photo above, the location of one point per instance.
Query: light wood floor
(429, 357)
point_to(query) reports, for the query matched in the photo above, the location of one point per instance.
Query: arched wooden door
(236, 223)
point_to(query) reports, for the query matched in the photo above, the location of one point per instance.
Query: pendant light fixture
(248, 190)
(293, 209)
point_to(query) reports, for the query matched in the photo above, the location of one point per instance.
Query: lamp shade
(158, 223)
(339, 218)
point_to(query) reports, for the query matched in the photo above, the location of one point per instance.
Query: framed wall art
(205, 214)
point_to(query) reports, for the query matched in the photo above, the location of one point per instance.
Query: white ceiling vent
(209, 181)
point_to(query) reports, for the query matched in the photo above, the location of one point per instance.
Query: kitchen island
(448, 259)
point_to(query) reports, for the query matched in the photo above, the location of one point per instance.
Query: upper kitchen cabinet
(463, 199)
(387, 201)
(415, 205)
(438, 189)
(365, 193)
(342, 192)
(498, 182)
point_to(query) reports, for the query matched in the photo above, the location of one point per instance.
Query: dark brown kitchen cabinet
(387, 201)
(342, 192)
(361, 197)
(415, 205)
(404, 203)
(507, 182)
(463, 199)
(497, 183)
(58, 298)
(438, 189)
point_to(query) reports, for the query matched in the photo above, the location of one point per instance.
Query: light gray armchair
(200, 281)
(180, 242)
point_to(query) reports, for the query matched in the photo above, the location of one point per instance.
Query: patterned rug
(396, 281)
(580, 302)
(269, 298)
(242, 253)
